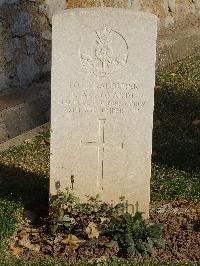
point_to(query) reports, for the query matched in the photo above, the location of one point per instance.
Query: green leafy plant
(69, 214)
(95, 219)
(133, 235)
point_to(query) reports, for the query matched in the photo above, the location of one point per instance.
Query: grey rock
(21, 117)
(54, 6)
(8, 2)
(135, 4)
(39, 109)
(12, 76)
(197, 4)
(3, 81)
(51, 6)
(3, 133)
(193, 8)
(169, 6)
(42, 20)
(165, 5)
(27, 70)
(11, 47)
(21, 24)
(47, 35)
(172, 5)
(1, 28)
(31, 45)
(46, 68)
(169, 21)
(43, 8)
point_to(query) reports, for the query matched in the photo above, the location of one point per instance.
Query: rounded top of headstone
(99, 10)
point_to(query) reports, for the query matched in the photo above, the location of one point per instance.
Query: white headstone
(103, 75)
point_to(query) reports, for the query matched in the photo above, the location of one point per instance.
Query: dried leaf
(161, 187)
(16, 251)
(92, 231)
(35, 248)
(72, 242)
(28, 140)
(25, 242)
(45, 142)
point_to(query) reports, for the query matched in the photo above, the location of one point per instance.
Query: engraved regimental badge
(109, 55)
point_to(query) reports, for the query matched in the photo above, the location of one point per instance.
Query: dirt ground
(181, 232)
(181, 222)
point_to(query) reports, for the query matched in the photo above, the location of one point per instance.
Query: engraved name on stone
(87, 98)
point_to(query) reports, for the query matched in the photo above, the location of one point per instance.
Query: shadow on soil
(28, 188)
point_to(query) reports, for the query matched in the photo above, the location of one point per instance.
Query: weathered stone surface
(172, 5)
(8, 2)
(169, 21)
(103, 73)
(1, 27)
(10, 100)
(3, 80)
(31, 45)
(3, 132)
(21, 24)
(22, 120)
(29, 135)
(27, 70)
(11, 47)
(47, 35)
(178, 45)
(136, 5)
(28, 109)
(197, 4)
(92, 3)
(39, 109)
(52, 6)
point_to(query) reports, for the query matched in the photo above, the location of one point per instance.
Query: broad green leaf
(155, 230)
(137, 217)
(112, 244)
(131, 250)
(128, 217)
(149, 245)
(145, 253)
(141, 247)
(159, 243)
(66, 224)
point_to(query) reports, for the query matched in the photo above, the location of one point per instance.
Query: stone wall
(25, 30)
(169, 12)
(25, 51)
(25, 43)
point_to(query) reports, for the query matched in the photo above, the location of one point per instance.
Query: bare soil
(181, 232)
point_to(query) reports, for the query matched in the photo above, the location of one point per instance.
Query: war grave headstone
(103, 77)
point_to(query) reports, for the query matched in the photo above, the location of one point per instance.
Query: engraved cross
(100, 144)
